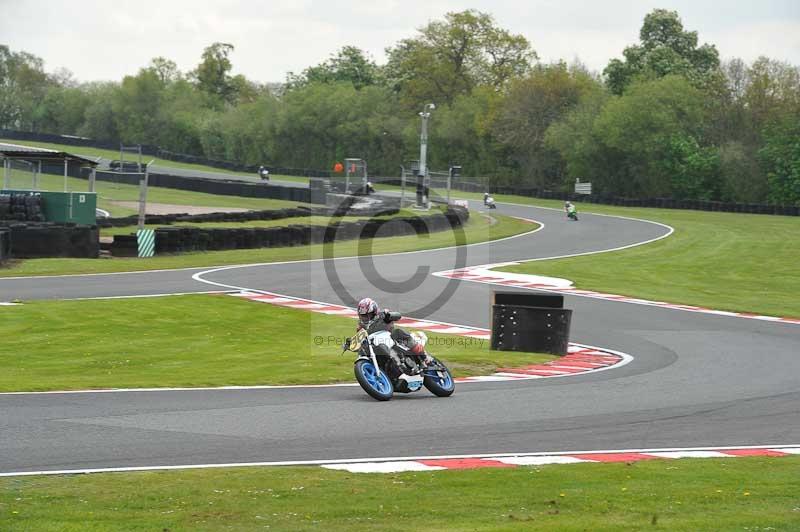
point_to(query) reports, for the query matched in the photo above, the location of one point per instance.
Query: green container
(62, 207)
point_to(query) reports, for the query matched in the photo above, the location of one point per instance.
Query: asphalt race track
(696, 380)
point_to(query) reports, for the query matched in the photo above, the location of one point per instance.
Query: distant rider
(569, 208)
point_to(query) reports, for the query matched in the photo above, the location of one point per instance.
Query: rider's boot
(425, 358)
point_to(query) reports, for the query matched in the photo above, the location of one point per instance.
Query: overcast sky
(107, 39)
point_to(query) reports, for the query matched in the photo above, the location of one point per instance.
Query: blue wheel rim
(444, 382)
(378, 383)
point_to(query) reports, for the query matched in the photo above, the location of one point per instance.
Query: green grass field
(686, 495)
(477, 229)
(180, 341)
(108, 193)
(93, 153)
(726, 261)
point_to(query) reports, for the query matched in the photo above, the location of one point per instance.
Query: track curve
(696, 380)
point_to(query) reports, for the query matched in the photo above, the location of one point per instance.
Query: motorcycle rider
(372, 319)
(569, 208)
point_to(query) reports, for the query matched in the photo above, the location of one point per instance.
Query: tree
(664, 49)
(166, 70)
(99, 121)
(743, 180)
(137, 107)
(780, 157)
(745, 102)
(62, 110)
(349, 64)
(772, 91)
(23, 86)
(585, 155)
(529, 107)
(653, 128)
(453, 56)
(463, 134)
(212, 74)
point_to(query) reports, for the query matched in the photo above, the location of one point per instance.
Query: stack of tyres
(33, 208)
(5, 207)
(21, 207)
(5, 244)
(125, 246)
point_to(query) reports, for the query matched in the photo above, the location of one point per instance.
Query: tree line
(667, 119)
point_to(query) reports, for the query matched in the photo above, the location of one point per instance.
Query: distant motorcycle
(489, 202)
(572, 212)
(263, 173)
(384, 367)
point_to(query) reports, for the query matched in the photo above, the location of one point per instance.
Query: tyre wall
(190, 239)
(247, 216)
(48, 240)
(5, 245)
(214, 186)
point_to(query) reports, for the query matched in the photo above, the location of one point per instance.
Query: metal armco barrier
(530, 322)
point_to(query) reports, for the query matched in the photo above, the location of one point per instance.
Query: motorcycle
(489, 202)
(384, 366)
(573, 215)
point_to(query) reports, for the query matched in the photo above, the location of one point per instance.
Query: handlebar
(392, 316)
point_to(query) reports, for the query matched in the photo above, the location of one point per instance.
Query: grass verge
(108, 193)
(477, 229)
(197, 340)
(726, 261)
(687, 494)
(93, 153)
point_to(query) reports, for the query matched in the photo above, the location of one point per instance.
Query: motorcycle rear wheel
(439, 381)
(376, 385)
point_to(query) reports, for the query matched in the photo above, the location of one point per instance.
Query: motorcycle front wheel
(375, 384)
(438, 380)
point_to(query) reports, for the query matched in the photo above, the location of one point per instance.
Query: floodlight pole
(93, 176)
(449, 181)
(402, 184)
(423, 145)
(143, 194)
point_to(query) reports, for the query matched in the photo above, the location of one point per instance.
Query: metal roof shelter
(34, 157)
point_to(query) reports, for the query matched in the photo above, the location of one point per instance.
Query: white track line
(789, 449)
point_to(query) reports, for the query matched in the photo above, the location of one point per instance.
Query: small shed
(38, 158)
